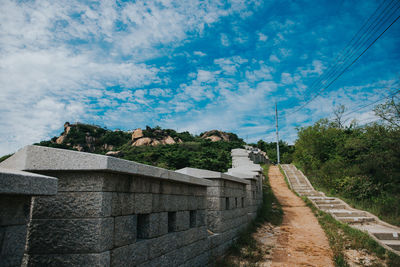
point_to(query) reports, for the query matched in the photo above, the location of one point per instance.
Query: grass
(3, 158)
(341, 237)
(246, 247)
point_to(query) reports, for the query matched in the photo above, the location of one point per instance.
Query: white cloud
(264, 72)
(274, 58)
(60, 61)
(262, 37)
(316, 67)
(230, 65)
(286, 78)
(199, 53)
(224, 40)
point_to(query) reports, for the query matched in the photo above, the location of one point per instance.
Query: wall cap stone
(200, 173)
(25, 183)
(38, 158)
(242, 174)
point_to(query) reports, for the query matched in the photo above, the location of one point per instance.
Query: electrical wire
(354, 50)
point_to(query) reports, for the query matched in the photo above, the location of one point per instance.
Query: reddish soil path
(301, 240)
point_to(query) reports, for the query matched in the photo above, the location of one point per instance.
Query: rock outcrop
(138, 133)
(61, 139)
(114, 154)
(153, 137)
(215, 136)
(145, 141)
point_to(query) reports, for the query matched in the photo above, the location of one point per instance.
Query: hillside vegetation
(164, 148)
(358, 163)
(286, 151)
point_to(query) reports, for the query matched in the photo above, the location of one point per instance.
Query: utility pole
(277, 134)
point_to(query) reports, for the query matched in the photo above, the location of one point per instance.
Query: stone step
(301, 185)
(303, 189)
(356, 219)
(324, 201)
(387, 235)
(322, 198)
(345, 213)
(306, 190)
(314, 194)
(394, 244)
(331, 206)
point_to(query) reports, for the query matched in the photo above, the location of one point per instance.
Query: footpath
(385, 234)
(300, 239)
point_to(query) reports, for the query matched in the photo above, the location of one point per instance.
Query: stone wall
(16, 191)
(113, 212)
(226, 207)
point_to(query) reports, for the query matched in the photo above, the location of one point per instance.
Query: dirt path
(300, 239)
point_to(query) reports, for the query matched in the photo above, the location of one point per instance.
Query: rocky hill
(154, 146)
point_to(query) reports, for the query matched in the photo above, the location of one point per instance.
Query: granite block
(66, 205)
(124, 230)
(70, 236)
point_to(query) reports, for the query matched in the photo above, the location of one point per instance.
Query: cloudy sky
(188, 65)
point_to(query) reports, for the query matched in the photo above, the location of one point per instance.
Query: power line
(369, 104)
(352, 49)
(348, 57)
(344, 53)
(343, 71)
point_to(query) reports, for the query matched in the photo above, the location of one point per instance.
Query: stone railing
(113, 212)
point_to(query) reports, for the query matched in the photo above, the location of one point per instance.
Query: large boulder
(138, 133)
(114, 153)
(145, 141)
(214, 138)
(168, 140)
(216, 135)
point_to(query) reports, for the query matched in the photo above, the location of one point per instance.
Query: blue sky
(185, 65)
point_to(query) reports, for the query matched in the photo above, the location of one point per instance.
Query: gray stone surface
(67, 260)
(66, 205)
(200, 173)
(12, 245)
(248, 175)
(162, 245)
(182, 220)
(122, 204)
(152, 225)
(70, 236)
(25, 183)
(191, 235)
(130, 255)
(124, 230)
(38, 158)
(14, 209)
(143, 203)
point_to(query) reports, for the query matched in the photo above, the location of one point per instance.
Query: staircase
(385, 234)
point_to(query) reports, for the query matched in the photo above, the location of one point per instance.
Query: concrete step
(394, 244)
(331, 206)
(322, 198)
(335, 201)
(356, 219)
(306, 189)
(387, 235)
(345, 213)
(302, 185)
(313, 194)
